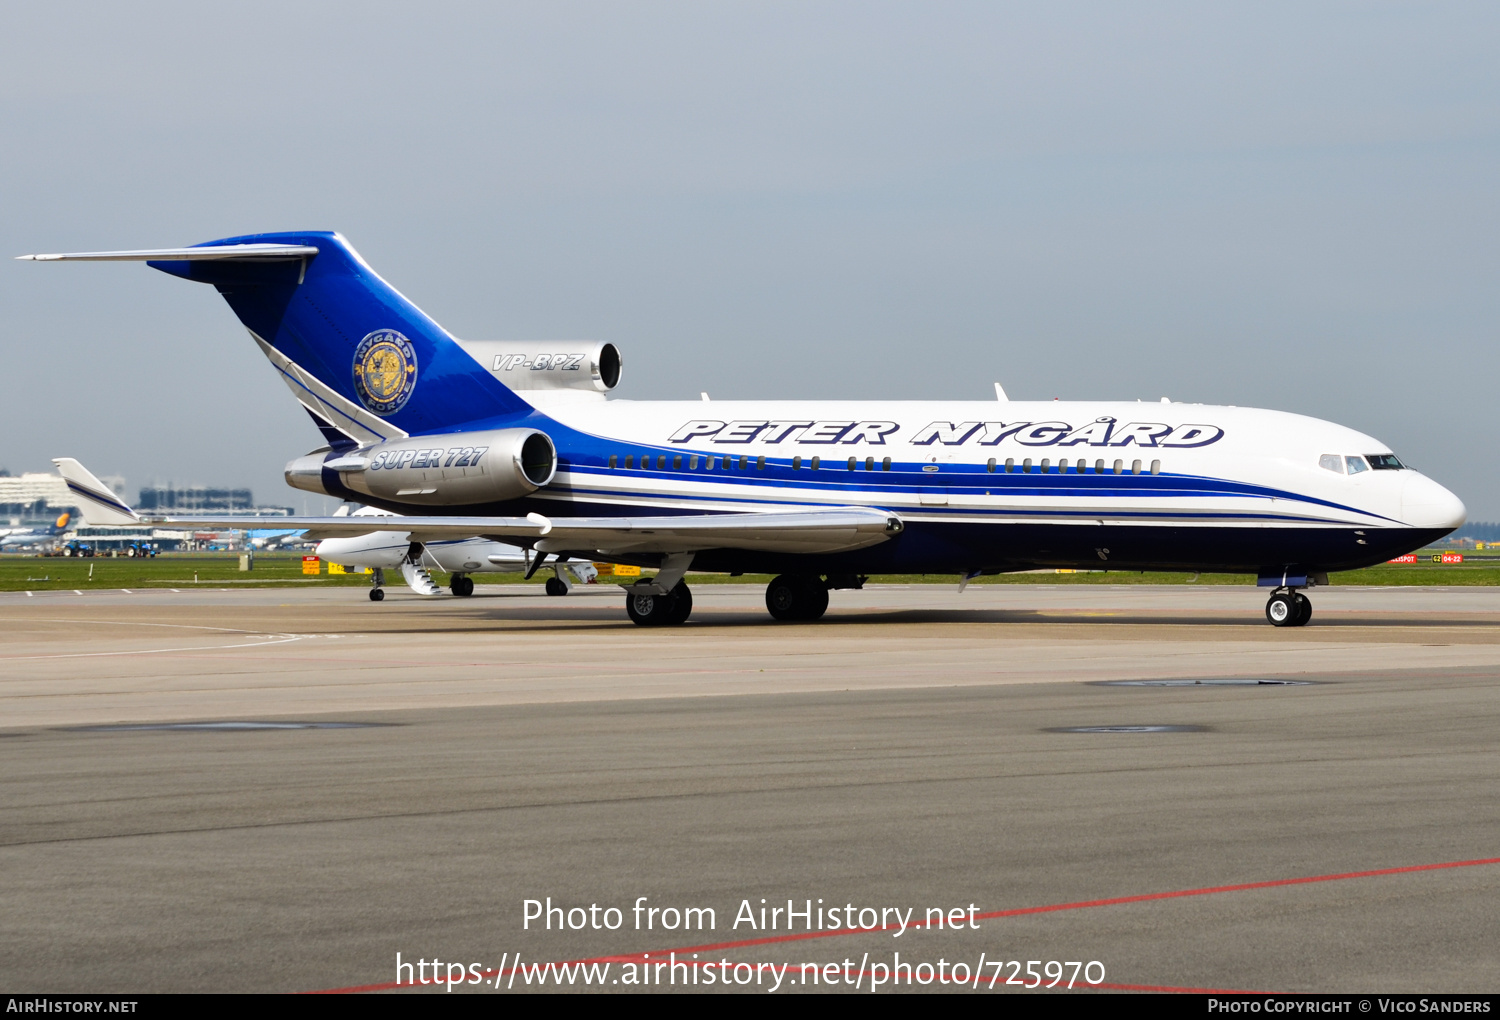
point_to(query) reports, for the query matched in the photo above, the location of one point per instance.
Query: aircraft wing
(835, 529)
(802, 531)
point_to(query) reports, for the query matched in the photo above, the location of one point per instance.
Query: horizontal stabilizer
(231, 252)
(97, 501)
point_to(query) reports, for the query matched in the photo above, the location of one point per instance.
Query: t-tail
(366, 363)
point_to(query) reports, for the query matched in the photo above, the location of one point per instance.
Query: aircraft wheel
(649, 610)
(462, 585)
(555, 586)
(1282, 611)
(376, 594)
(1304, 609)
(796, 597)
(682, 603)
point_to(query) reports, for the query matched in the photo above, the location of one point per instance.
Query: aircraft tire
(1304, 609)
(462, 585)
(682, 603)
(796, 597)
(376, 594)
(1282, 611)
(817, 599)
(648, 610)
(555, 586)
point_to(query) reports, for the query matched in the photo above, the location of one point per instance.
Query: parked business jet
(517, 443)
(380, 551)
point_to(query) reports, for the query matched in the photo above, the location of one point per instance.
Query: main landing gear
(797, 597)
(651, 610)
(1288, 608)
(461, 585)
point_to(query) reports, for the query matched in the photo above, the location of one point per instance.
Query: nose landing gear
(1288, 608)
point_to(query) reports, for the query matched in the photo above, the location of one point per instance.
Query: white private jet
(380, 551)
(518, 443)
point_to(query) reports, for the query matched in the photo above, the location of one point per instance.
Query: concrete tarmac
(911, 751)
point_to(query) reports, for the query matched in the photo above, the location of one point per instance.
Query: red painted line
(994, 914)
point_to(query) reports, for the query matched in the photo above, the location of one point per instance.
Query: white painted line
(30, 595)
(155, 651)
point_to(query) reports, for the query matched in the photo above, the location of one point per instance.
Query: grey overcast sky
(1288, 205)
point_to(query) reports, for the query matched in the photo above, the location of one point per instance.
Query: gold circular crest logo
(385, 371)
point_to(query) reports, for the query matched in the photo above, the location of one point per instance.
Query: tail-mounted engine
(549, 364)
(456, 469)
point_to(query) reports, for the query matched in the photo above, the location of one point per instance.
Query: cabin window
(1383, 462)
(991, 465)
(1156, 467)
(710, 465)
(1010, 464)
(1098, 467)
(692, 463)
(612, 460)
(814, 463)
(869, 463)
(661, 462)
(1331, 462)
(1119, 467)
(1135, 467)
(1046, 463)
(796, 463)
(1062, 466)
(1026, 466)
(677, 462)
(851, 463)
(885, 464)
(1356, 465)
(760, 463)
(743, 462)
(629, 460)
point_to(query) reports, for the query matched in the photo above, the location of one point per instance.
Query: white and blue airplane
(518, 443)
(461, 558)
(23, 538)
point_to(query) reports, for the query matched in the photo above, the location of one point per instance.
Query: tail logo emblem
(385, 371)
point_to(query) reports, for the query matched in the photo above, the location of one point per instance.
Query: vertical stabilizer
(357, 354)
(95, 499)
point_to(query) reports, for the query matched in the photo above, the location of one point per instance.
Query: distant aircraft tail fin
(366, 363)
(95, 499)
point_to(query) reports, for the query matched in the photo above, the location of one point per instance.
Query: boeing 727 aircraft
(518, 443)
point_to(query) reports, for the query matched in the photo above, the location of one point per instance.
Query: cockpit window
(1331, 462)
(1356, 465)
(1384, 462)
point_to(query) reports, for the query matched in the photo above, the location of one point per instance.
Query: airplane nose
(1426, 504)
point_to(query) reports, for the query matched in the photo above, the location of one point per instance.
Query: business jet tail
(95, 499)
(366, 363)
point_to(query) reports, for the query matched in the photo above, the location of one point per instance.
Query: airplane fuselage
(981, 486)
